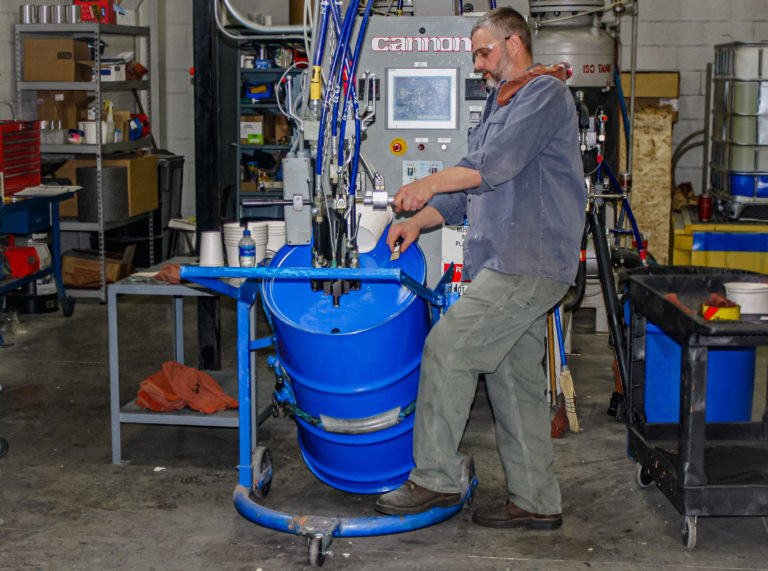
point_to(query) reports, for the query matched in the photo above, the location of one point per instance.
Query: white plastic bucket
(259, 233)
(751, 296)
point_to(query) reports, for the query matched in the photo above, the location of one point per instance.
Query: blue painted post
(245, 468)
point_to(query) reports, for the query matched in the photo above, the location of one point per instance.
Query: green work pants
(498, 328)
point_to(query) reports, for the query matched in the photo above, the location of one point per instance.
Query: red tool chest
(19, 155)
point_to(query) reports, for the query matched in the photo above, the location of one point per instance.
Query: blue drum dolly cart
(255, 462)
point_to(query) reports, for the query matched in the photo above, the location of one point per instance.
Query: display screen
(421, 98)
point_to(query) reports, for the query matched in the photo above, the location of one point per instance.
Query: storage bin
(730, 380)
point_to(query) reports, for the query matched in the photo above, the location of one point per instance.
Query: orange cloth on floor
(177, 386)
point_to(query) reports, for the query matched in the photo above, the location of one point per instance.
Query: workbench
(25, 215)
(130, 412)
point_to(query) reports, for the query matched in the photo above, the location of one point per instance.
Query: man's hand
(405, 232)
(413, 196)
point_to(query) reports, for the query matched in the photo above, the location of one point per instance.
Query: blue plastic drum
(351, 365)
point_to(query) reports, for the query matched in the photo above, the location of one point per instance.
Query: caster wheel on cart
(262, 472)
(3, 447)
(642, 478)
(316, 553)
(689, 531)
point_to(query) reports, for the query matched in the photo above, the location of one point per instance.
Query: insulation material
(652, 175)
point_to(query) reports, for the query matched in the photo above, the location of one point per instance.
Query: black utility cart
(704, 469)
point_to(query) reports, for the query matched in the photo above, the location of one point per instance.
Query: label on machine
(452, 252)
(414, 170)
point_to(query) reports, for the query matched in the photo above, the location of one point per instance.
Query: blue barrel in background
(355, 361)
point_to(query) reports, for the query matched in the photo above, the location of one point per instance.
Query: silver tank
(577, 40)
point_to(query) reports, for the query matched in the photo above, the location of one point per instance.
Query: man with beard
(521, 189)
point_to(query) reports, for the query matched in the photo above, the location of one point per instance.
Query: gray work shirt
(527, 215)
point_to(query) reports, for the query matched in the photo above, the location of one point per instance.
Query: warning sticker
(452, 253)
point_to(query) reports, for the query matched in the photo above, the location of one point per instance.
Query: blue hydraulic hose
(351, 90)
(318, 59)
(358, 126)
(627, 126)
(461, 7)
(316, 80)
(350, 69)
(493, 4)
(628, 209)
(329, 93)
(559, 328)
(622, 104)
(342, 50)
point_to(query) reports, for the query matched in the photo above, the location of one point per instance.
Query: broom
(566, 381)
(551, 360)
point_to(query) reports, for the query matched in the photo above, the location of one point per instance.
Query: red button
(421, 146)
(397, 147)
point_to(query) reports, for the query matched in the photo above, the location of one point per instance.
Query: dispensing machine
(386, 100)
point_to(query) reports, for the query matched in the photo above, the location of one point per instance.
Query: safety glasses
(486, 51)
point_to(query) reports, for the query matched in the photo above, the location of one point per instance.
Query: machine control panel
(474, 89)
(430, 96)
(414, 170)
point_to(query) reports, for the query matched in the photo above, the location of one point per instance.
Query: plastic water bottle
(247, 249)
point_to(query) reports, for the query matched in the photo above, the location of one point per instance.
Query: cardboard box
(80, 268)
(257, 129)
(283, 130)
(142, 181)
(56, 59)
(113, 71)
(121, 118)
(69, 107)
(296, 11)
(661, 85)
(101, 11)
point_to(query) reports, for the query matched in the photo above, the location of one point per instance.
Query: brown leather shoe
(512, 515)
(410, 498)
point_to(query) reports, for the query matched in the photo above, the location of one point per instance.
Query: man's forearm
(453, 179)
(428, 217)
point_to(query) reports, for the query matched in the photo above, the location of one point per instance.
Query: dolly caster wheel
(3, 447)
(318, 548)
(262, 472)
(642, 477)
(689, 531)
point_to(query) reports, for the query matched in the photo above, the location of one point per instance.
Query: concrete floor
(63, 505)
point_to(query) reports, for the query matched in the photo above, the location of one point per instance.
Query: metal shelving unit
(75, 226)
(95, 32)
(247, 106)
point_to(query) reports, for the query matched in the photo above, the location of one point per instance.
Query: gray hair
(505, 21)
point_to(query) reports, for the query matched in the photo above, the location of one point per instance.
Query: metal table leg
(114, 375)
(67, 303)
(178, 328)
